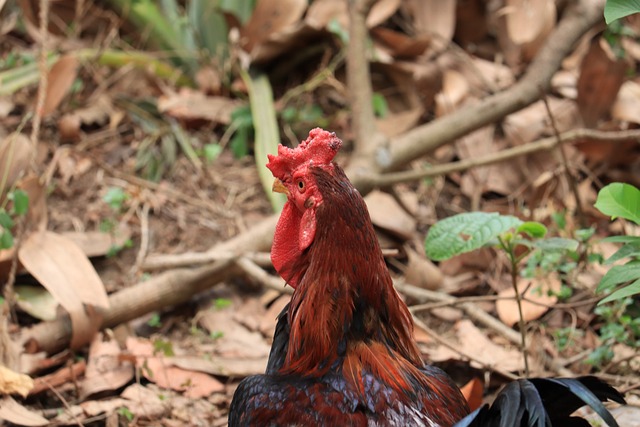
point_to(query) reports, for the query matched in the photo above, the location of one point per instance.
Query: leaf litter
(104, 118)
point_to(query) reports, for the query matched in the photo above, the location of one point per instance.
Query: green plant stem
(20, 77)
(509, 248)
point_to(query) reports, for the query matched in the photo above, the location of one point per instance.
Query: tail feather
(545, 402)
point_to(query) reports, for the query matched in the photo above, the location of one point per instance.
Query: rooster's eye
(301, 186)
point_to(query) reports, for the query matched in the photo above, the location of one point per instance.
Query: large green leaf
(466, 232)
(620, 200)
(620, 274)
(627, 291)
(627, 251)
(616, 9)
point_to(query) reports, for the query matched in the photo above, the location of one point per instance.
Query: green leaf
(627, 291)
(620, 274)
(211, 152)
(532, 229)
(465, 232)
(620, 200)
(20, 202)
(622, 239)
(556, 244)
(627, 251)
(380, 107)
(5, 220)
(115, 197)
(6, 240)
(616, 9)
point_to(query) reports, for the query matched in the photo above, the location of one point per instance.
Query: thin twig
(545, 144)
(571, 180)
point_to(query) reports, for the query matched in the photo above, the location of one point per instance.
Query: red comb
(318, 149)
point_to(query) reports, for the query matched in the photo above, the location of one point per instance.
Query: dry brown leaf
(488, 75)
(565, 83)
(400, 45)
(100, 112)
(156, 368)
(235, 339)
(421, 272)
(473, 392)
(434, 17)
(523, 47)
(601, 76)
(471, 22)
(455, 89)
(14, 383)
(222, 366)
(97, 243)
(527, 20)
(541, 294)
(387, 214)
(148, 403)
(191, 105)
(627, 104)
(61, 267)
(395, 124)
(106, 370)
(37, 213)
(15, 413)
(381, 11)
(476, 344)
(321, 12)
(16, 151)
(59, 81)
(533, 121)
(268, 19)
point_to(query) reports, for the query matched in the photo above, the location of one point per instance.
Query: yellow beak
(279, 187)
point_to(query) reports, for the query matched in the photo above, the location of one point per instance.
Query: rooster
(343, 352)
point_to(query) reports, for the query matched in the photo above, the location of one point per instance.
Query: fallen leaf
(15, 413)
(16, 151)
(527, 20)
(433, 18)
(381, 11)
(541, 294)
(472, 392)
(191, 105)
(234, 339)
(321, 12)
(395, 124)
(400, 45)
(37, 302)
(59, 80)
(421, 272)
(106, 370)
(144, 402)
(37, 214)
(627, 103)
(61, 267)
(98, 113)
(455, 89)
(481, 348)
(601, 76)
(98, 243)
(268, 19)
(14, 383)
(387, 214)
(156, 368)
(221, 366)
